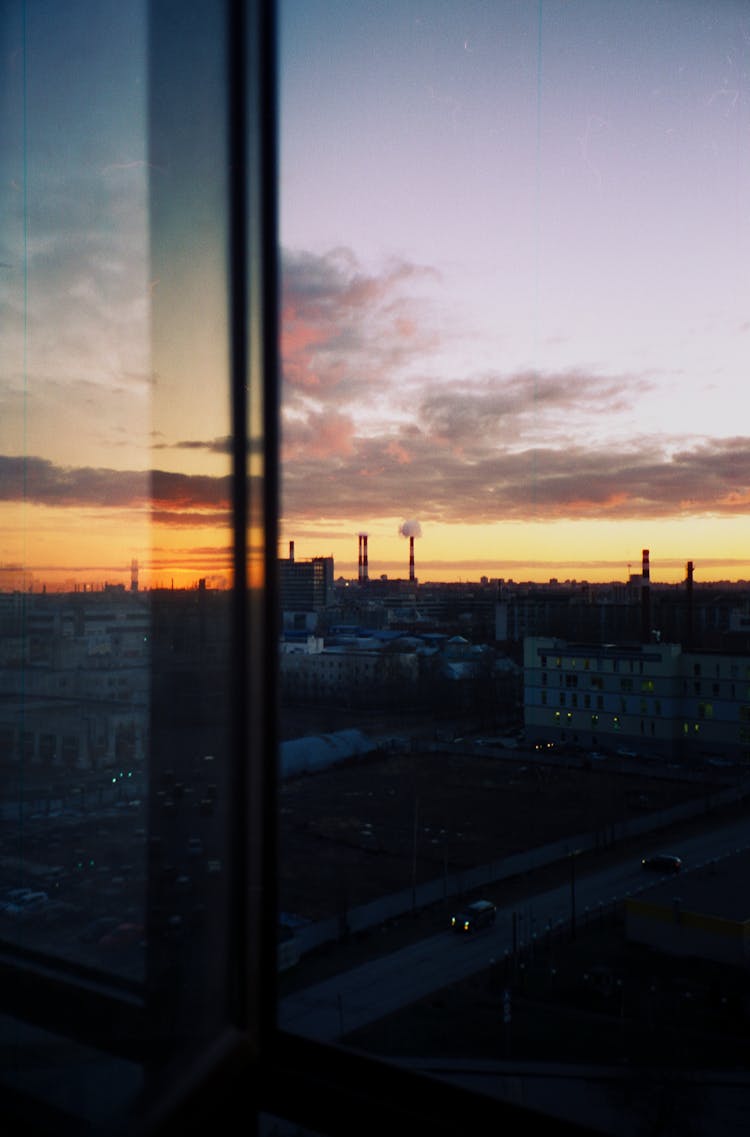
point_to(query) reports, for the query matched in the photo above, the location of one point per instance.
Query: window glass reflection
(75, 618)
(116, 578)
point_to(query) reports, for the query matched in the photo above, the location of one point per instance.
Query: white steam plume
(410, 529)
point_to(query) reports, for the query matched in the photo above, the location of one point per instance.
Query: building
(306, 589)
(704, 913)
(653, 698)
(363, 673)
(74, 680)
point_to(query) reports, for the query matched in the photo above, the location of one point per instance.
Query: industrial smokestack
(645, 598)
(689, 590)
(359, 562)
(291, 552)
(411, 529)
(363, 569)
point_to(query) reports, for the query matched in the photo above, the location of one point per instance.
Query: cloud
(370, 418)
(345, 329)
(641, 480)
(212, 446)
(172, 498)
(369, 429)
(480, 411)
(319, 434)
(77, 295)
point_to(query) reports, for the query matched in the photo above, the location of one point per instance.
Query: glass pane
(117, 642)
(514, 249)
(75, 429)
(191, 519)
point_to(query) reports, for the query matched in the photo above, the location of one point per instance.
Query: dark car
(662, 862)
(480, 914)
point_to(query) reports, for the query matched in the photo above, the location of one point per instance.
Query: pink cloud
(344, 330)
(399, 452)
(323, 435)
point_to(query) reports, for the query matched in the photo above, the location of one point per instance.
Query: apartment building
(651, 698)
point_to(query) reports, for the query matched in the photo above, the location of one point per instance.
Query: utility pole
(573, 856)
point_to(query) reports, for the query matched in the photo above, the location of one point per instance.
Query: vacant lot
(373, 826)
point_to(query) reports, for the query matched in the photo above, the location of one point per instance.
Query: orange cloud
(397, 451)
(322, 435)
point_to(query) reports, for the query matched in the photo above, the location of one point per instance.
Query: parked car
(662, 862)
(480, 914)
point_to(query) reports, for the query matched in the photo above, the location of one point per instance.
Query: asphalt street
(328, 1010)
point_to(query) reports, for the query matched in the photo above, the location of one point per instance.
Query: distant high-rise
(306, 586)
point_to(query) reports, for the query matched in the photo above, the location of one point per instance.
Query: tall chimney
(645, 599)
(291, 552)
(411, 558)
(689, 590)
(359, 563)
(363, 570)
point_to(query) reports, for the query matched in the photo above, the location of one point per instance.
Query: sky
(514, 247)
(515, 243)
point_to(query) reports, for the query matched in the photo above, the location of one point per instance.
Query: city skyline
(515, 297)
(99, 579)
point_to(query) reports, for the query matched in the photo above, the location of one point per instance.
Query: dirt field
(366, 828)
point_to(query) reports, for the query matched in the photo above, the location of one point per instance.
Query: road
(355, 998)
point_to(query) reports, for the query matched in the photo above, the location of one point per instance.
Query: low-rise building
(703, 912)
(654, 698)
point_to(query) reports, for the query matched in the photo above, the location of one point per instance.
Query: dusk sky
(515, 243)
(516, 250)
